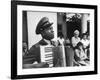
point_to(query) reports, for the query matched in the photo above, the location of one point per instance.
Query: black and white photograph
(53, 40)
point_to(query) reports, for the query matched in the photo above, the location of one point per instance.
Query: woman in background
(80, 55)
(75, 39)
(86, 43)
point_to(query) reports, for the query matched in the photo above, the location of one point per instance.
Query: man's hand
(39, 65)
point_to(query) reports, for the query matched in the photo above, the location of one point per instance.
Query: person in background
(75, 39)
(25, 48)
(61, 39)
(86, 43)
(67, 42)
(84, 40)
(80, 55)
(69, 52)
(88, 36)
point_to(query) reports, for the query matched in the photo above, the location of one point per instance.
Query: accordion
(54, 56)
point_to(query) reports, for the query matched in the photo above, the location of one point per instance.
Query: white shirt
(61, 40)
(47, 41)
(85, 42)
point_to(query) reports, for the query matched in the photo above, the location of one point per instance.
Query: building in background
(69, 22)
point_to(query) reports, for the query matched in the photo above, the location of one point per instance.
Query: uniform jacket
(34, 54)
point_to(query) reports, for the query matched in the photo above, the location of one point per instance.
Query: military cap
(42, 25)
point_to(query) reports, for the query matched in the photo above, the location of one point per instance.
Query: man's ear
(42, 33)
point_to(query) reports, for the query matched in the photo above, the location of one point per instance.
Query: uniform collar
(44, 42)
(47, 41)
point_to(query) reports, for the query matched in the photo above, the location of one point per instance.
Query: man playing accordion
(44, 53)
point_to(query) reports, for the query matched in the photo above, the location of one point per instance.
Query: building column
(64, 30)
(84, 23)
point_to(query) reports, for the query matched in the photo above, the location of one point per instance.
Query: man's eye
(49, 30)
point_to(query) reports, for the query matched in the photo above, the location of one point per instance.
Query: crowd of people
(80, 46)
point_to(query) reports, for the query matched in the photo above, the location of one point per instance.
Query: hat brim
(47, 25)
(38, 31)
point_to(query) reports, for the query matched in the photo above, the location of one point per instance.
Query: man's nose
(52, 31)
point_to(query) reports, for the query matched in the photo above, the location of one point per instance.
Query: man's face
(80, 47)
(48, 33)
(84, 37)
(88, 37)
(76, 35)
